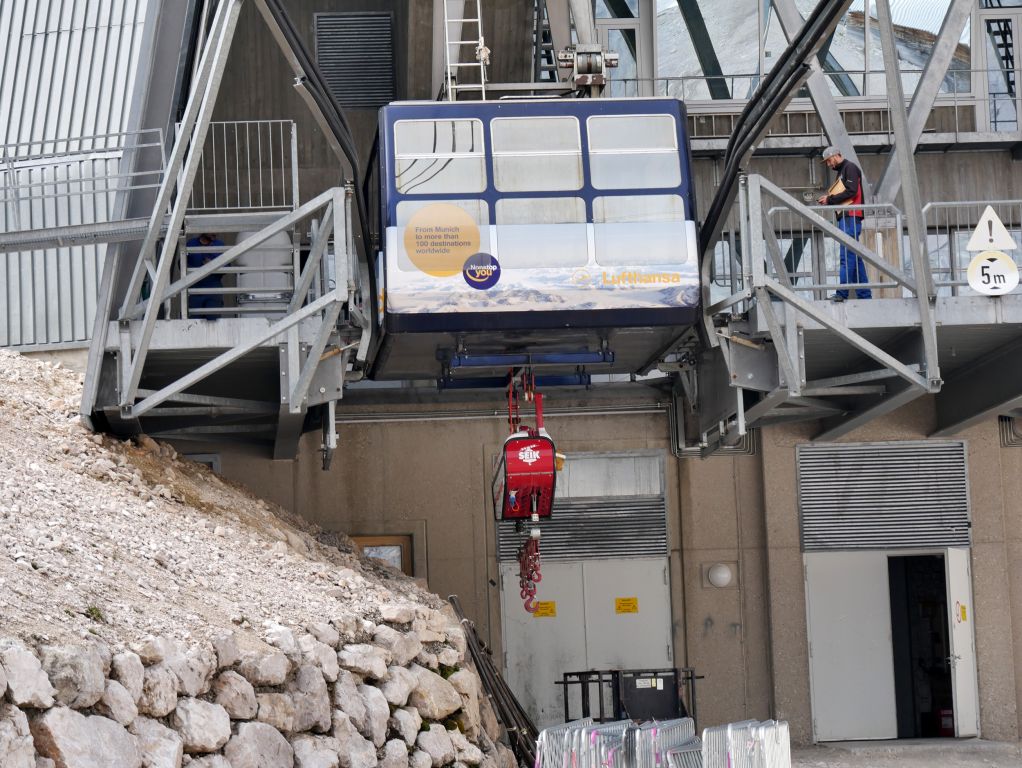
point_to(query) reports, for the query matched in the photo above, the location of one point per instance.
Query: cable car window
(633, 151)
(439, 157)
(541, 232)
(437, 237)
(640, 229)
(532, 154)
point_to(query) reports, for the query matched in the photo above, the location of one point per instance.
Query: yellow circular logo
(439, 239)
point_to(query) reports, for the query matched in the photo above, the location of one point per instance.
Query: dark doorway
(919, 634)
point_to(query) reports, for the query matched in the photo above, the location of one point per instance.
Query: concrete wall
(431, 480)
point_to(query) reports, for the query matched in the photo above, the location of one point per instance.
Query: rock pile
(153, 615)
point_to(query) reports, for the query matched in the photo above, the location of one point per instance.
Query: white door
(539, 648)
(851, 662)
(594, 614)
(964, 685)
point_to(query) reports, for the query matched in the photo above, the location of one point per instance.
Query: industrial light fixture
(720, 575)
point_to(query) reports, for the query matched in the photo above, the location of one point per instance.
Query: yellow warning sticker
(545, 608)
(964, 616)
(626, 605)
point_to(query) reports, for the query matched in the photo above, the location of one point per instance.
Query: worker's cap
(829, 152)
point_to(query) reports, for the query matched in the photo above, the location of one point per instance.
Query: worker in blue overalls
(197, 259)
(847, 189)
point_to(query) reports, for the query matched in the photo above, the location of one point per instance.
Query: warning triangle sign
(990, 234)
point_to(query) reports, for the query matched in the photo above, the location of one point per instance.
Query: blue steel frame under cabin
(560, 230)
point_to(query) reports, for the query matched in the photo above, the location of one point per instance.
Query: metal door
(851, 662)
(628, 614)
(964, 686)
(539, 648)
(594, 614)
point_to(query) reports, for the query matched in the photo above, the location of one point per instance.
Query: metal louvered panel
(595, 528)
(908, 495)
(355, 53)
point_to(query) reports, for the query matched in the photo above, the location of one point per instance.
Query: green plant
(95, 614)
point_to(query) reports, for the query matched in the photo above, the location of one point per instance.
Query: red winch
(523, 486)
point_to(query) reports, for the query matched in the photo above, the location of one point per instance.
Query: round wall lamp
(720, 575)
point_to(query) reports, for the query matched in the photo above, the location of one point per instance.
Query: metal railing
(247, 165)
(969, 100)
(811, 254)
(74, 181)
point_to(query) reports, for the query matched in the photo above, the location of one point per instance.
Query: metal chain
(528, 572)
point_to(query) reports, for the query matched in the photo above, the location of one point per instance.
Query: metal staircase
(456, 37)
(544, 56)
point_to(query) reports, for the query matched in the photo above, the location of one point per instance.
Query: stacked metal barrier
(664, 744)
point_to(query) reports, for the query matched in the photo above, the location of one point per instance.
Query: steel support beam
(987, 388)
(901, 392)
(192, 137)
(943, 52)
(819, 86)
(925, 296)
(703, 45)
(585, 22)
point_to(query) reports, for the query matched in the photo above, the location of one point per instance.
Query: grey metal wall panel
(67, 70)
(906, 495)
(595, 528)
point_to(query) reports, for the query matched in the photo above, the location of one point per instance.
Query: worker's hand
(821, 200)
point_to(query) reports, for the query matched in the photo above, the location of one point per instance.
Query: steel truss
(315, 338)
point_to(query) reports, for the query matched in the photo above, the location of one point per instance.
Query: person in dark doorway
(847, 189)
(197, 259)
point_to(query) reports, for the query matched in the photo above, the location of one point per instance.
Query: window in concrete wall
(355, 53)
(394, 550)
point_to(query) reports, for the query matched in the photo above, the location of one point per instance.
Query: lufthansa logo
(582, 278)
(481, 271)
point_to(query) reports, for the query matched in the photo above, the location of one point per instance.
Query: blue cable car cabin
(559, 230)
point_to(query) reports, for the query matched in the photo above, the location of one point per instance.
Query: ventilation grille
(910, 495)
(355, 53)
(595, 528)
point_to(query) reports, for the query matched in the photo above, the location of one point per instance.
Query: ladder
(544, 58)
(455, 34)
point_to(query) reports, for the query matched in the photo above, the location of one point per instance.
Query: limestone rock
(490, 724)
(347, 699)
(377, 714)
(316, 751)
(27, 684)
(159, 691)
(76, 673)
(73, 740)
(427, 659)
(312, 711)
(448, 657)
(505, 757)
(436, 742)
(346, 626)
(324, 632)
(210, 761)
(276, 709)
(466, 683)
(355, 751)
(268, 667)
(44, 762)
(204, 727)
(456, 637)
(365, 660)
(126, 668)
(225, 646)
(466, 751)
(403, 646)
(434, 697)
(321, 654)
(153, 650)
(419, 759)
(160, 746)
(16, 749)
(194, 671)
(394, 613)
(117, 704)
(395, 754)
(3, 682)
(258, 745)
(236, 695)
(284, 639)
(399, 686)
(406, 721)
